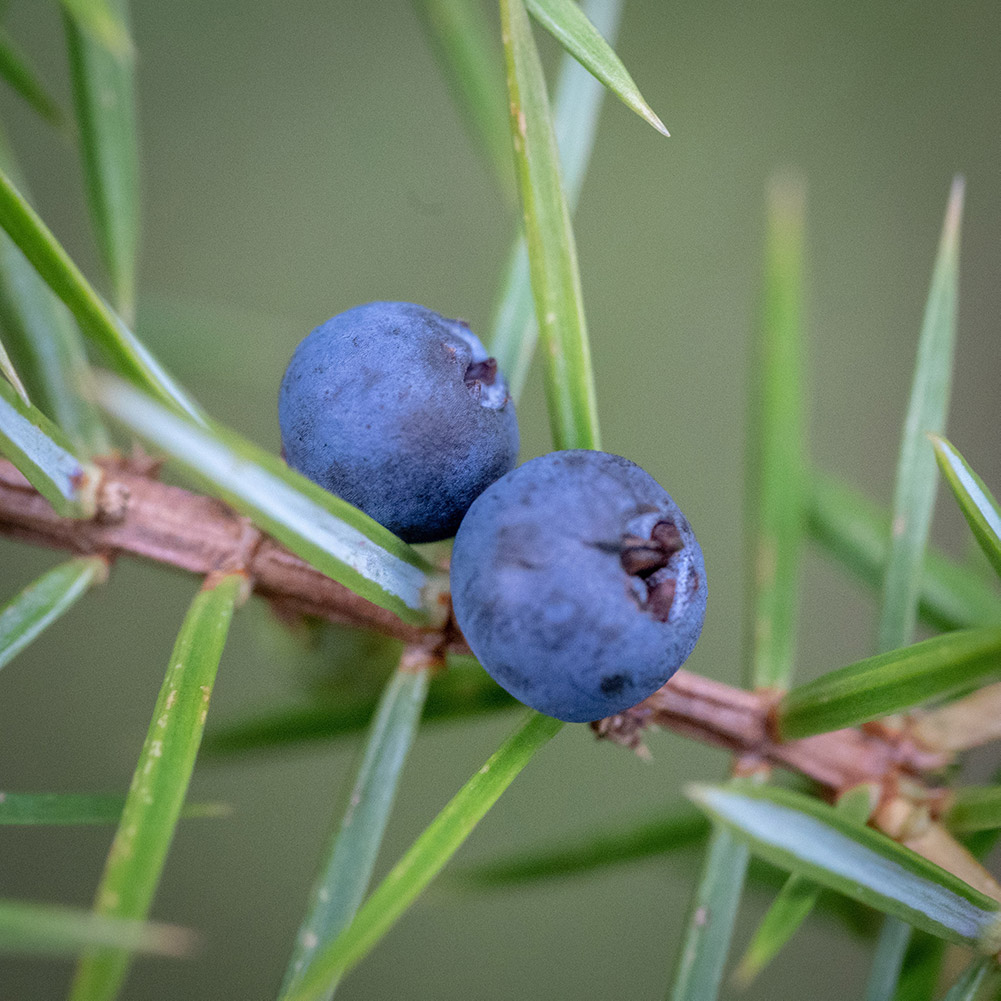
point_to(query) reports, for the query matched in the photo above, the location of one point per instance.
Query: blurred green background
(300, 158)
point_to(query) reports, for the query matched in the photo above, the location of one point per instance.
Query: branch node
(215, 577)
(113, 498)
(626, 730)
(428, 654)
(751, 766)
(771, 699)
(240, 558)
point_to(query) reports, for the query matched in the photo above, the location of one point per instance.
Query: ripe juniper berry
(578, 584)
(401, 412)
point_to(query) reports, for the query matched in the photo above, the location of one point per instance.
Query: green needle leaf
(679, 827)
(698, 971)
(42, 455)
(23, 809)
(45, 343)
(796, 899)
(456, 693)
(124, 352)
(48, 350)
(576, 109)
(102, 22)
(25, 616)
(969, 982)
(578, 103)
(913, 502)
(791, 908)
(890, 682)
(679, 830)
(975, 808)
(918, 975)
(21, 76)
(103, 93)
(350, 859)
(914, 495)
(426, 857)
(568, 24)
(975, 501)
(552, 253)
(10, 374)
(466, 51)
(803, 835)
(776, 448)
(44, 929)
(161, 778)
(328, 532)
(857, 532)
(888, 962)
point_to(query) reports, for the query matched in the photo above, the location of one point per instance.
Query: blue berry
(400, 412)
(578, 584)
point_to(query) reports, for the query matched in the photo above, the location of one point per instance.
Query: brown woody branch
(139, 516)
(742, 722)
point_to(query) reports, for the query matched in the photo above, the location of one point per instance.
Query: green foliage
(889, 682)
(105, 113)
(464, 690)
(575, 121)
(35, 809)
(970, 982)
(160, 784)
(703, 951)
(469, 56)
(975, 808)
(856, 532)
(796, 899)
(119, 345)
(17, 71)
(42, 454)
(45, 343)
(29, 928)
(679, 826)
(426, 858)
(25, 616)
(343, 880)
(552, 252)
(776, 450)
(10, 374)
(102, 20)
(837, 857)
(976, 502)
(569, 25)
(806, 836)
(914, 497)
